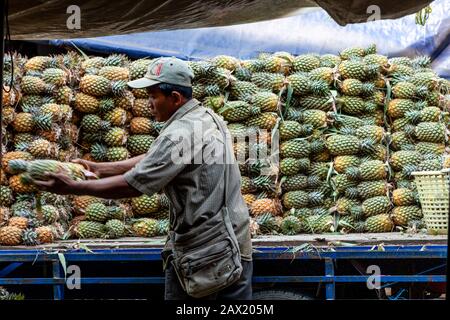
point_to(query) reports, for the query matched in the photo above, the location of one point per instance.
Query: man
(195, 188)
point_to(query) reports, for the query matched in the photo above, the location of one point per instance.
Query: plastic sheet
(310, 31)
(48, 19)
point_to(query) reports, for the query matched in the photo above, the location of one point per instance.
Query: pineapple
(113, 73)
(404, 197)
(64, 95)
(139, 144)
(377, 224)
(400, 139)
(115, 137)
(354, 69)
(329, 60)
(342, 163)
(268, 81)
(55, 76)
(23, 122)
(266, 120)
(93, 123)
(45, 234)
(12, 156)
(141, 125)
(95, 85)
(427, 114)
(369, 189)
(292, 166)
(146, 227)
(299, 199)
(291, 225)
(19, 222)
(34, 85)
(376, 205)
(299, 182)
(344, 205)
(90, 229)
(266, 101)
(324, 103)
(138, 68)
(249, 199)
(300, 84)
(319, 224)
(115, 229)
(29, 237)
(10, 236)
(325, 74)
(265, 205)
(341, 145)
(50, 214)
(117, 117)
(37, 169)
(292, 129)
(98, 212)
(163, 226)
(351, 52)
(316, 118)
(397, 108)
(430, 132)
(295, 148)
(235, 111)
(248, 91)
(400, 159)
(375, 133)
(18, 186)
(4, 216)
(86, 103)
(402, 215)
(117, 154)
(305, 63)
(148, 205)
(368, 170)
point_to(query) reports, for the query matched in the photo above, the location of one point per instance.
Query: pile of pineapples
(351, 128)
(64, 107)
(325, 143)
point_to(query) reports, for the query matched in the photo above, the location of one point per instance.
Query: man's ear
(177, 97)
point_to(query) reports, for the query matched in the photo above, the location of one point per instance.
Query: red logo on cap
(157, 69)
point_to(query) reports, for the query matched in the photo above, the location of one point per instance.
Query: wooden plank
(393, 238)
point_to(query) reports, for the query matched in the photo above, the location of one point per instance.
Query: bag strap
(225, 144)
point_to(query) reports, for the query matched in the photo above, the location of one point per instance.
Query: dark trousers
(240, 290)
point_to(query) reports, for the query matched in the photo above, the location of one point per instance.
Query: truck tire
(279, 295)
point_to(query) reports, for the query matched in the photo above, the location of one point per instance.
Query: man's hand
(90, 166)
(59, 183)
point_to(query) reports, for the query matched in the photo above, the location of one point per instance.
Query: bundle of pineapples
(39, 127)
(419, 123)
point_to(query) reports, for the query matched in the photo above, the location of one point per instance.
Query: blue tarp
(310, 31)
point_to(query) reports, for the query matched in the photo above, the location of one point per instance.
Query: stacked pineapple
(39, 126)
(419, 130)
(350, 128)
(305, 182)
(358, 145)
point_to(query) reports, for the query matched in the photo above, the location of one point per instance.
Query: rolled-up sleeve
(157, 168)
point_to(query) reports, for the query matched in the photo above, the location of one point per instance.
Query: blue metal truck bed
(320, 263)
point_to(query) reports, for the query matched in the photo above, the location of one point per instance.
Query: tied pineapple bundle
(38, 170)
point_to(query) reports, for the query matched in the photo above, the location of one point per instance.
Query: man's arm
(110, 188)
(109, 169)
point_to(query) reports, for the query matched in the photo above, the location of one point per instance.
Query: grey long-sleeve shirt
(186, 162)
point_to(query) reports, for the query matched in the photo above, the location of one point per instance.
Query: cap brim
(142, 83)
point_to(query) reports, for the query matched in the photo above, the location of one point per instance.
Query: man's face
(161, 107)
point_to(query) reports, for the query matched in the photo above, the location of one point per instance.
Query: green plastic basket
(434, 193)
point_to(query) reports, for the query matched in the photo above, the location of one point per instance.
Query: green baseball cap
(165, 70)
